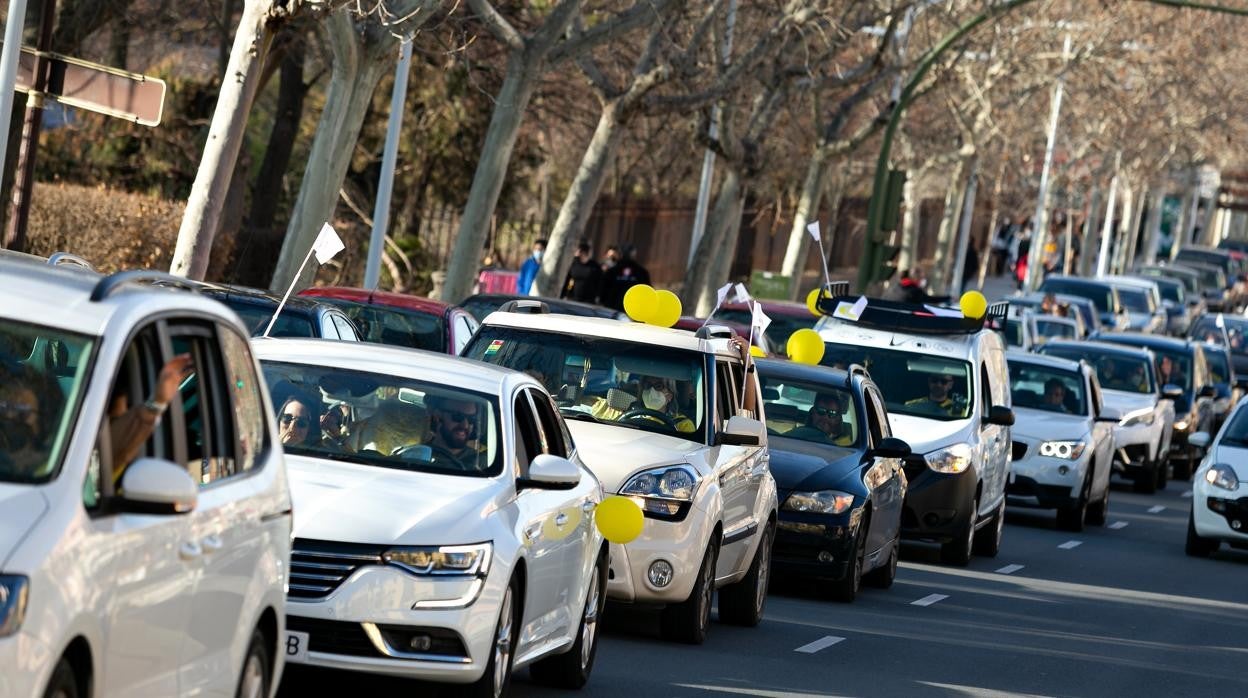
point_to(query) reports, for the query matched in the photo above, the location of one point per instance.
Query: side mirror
(1170, 391)
(1002, 416)
(549, 472)
(155, 486)
(742, 431)
(1207, 391)
(891, 447)
(1200, 439)
(1109, 414)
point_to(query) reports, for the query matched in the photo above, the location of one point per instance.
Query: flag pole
(290, 290)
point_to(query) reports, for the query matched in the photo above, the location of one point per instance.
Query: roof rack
(916, 318)
(61, 258)
(525, 307)
(111, 283)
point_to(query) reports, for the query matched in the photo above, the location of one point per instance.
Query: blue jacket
(528, 274)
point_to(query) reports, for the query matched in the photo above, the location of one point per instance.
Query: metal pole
(32, 124)
(385, 185)
(1035, 257)
(13, 25)
(1107, 232)
(708, 159)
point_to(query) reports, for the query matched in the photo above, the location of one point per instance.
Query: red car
(401, 320)
(786, 318)
(693, 324)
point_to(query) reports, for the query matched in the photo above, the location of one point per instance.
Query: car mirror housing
(551, 473)
(156, 486)
(1241, 382)
(1200, 439)
(891, 447)
(1208, 391)
(1170, 391)
(742, 431)
(1000, 415)
(1109, 414)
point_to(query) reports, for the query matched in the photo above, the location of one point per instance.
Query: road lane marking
(1118, 525)
(1156, 510)
(1009, 569)
(821, 644)
(1186, 494)
(929, 599)
(1070, 544)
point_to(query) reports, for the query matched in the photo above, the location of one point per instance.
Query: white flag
(722, 294)
(761, 321)
(743, 296)
(327, 244)
(813, 229)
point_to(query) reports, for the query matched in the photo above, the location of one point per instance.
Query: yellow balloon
(805, 347)
(973, 304)
(812, 300)
(667, 310)
(641, 302)
(619, 519)
(756, 352)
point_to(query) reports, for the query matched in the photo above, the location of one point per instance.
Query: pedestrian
(1001, 244)
(584, 282)
(611, 258)
(914, 288)
(625, 274)
(528, 270)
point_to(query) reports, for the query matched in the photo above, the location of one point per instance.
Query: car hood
(21, 507)
(1128, 402)
(805, 467)
(926, 435)
(1041, 424)
(1234, 456)
(354, 503)
(614, 453)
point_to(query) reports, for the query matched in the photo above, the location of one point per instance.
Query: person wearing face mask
(659, 395)
(528, 270)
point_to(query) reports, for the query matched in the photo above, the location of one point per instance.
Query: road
(1114, 611)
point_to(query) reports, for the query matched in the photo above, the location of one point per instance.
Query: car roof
(1063, 320)
(608, 329)
(1132, 281)
(1024, 357)
(804, 372)
(555, 303)
(1204, 250)
(261, 298)
(382, 298)
(960, 345)
(1078, 280)
(413, 364)
(785, 308)
(1099, 347)
(1153, 341)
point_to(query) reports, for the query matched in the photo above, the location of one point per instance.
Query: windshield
(1101, 296)
(780, 329)
(919, 385)
(1135, 300)
(43, 374)
(1235, 433)
(384, 421)
(1174, 368)
(397, 327)
(1115, 371)
(1045, 388)
(1206, 329)
(1219, 365)
(1172, 292)
(255, 318)
(814, 412)
(1055, 329)
(631, 384)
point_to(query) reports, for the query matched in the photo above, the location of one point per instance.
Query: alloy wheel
(252, 685)
(589, 626)
(764, 572)
(502, 645)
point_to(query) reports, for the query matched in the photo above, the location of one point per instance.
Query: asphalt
(1114, 611)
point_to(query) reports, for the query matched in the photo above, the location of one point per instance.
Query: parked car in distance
(839, 475)
(145, 516)
(1229, 388)
(786, 318)
(446, 533)
(1219, 511)
(301, 317)
(1112, 314)
(1142, 300)
(1050, 327)
(1228, 330)
(401, 320)
(482, 304)
(1181, 308)
(1081, 306)
(1020, 330)
(1214, 286)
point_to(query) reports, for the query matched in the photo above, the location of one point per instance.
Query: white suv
(661, 416)
(144, 512)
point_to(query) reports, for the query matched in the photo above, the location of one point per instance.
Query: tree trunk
(225, 137)
(954, 283)
(523, 74)
(579, 203)
(1152, 238)
(1091, 236)
(1119, 258)
(911, 222)
(361, 58)
(994, 218)
(713, 259)
(808, 202)
(1133, 233)
(954, 195)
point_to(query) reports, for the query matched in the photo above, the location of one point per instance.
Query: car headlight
(1220, 475)
(1181, 425)
(823, 502)
(13, 595)
(460, 560)
(665, 491)
(1069, 450)
(1138, 418)
(951, 459)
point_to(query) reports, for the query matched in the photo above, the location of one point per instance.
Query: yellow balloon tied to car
(805, 347)
(812, 301)
(619, 519)
(973, 304)
(641, 302)
(667, 309)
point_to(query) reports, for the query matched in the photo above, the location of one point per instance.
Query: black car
(1230, 331)
(1180, 362)
(482, 304)
(300, 317)
(839, 476)
(1103, 294)
(1230, 388)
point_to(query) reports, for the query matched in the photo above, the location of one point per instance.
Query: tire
(846, 588)
(689, 620)
(742, 603)
(882, 577)
(1163, 474)
(571, 669)
(1183, 472)
(1146, 480)
(257, 672)
(1071, 518)
(988, 538)
(958, 551)
(1196, 545)
(496, 680)
(63, 683)
(1098, 511)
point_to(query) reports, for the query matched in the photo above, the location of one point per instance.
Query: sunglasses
(826, 411)
(299, 422)
(460, 417)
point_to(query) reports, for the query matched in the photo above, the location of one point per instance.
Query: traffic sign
(94, 87)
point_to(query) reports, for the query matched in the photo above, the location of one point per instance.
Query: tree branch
(497, 24)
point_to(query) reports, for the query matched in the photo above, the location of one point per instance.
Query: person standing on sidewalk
(528, 270)
(626, 273)
(584, 282)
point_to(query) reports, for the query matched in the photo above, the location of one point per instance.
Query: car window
(1101, 296)
(1135, 300)
(1040, 387)
(43, 376)
(465, 326)
(809, 411)
(328, 330)
(206, 405)
(1115, 371)
(394, 326)
(876, 405)
(244, 385)
(726, 398)
(1218, 365)
(345, 330)
(1054, 328)
(528, 434)
(256, 318)
(1232, 334)
(548, 420)
(922, 385)
(1014, 333)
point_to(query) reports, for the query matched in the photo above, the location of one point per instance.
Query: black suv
(1102, 293)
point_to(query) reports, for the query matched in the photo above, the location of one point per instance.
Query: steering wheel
(437, 453)
(645, 413)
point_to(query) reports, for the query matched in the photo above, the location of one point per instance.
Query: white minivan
(144, 513)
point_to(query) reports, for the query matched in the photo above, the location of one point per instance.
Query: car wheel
(63, 683)
(1163, 473)
(1146, 479)
(1196, 545)
(497, 677)
(1071, 518)
(958, 551)
(846, 588)
(882, 577)
(988, 538)
(742, 603)
(572, 668)
(254, 680)
(689, 620)
(1184, 472)
(1098, 512)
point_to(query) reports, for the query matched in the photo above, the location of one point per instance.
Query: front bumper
(682, 544)
(1045, 482)
(1139, 444)
(1215, 511)
(937, 504)
(815, 545)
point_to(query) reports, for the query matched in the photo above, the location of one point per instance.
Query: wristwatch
(156, 408)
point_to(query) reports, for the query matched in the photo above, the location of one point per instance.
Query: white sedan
(443, 521)
(1220, 488)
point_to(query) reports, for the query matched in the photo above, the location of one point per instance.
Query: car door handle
(190, 551)
(212, 544)
(561, 520)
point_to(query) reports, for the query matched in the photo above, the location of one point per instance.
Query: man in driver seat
(657, 404)
(453, 428)
(824, 422)
(940, 400)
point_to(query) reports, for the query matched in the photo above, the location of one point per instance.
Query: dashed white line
(1187, 494)
(821, 644)
(1070, 544)
(1118, 525)
(929, 599)
(1156, 510)
(1009, 569)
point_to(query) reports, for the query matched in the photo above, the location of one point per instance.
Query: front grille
(1019, 451)
(317, 567)
(334, 636)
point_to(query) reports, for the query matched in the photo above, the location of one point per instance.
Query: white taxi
(443, 521)
(671, 419)
(1220, 488)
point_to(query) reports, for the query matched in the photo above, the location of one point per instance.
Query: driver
(453, 425)
(659, 395)
(1055, 395)
(940, 400)
(824, 422)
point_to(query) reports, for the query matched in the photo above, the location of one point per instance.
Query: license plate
(296, 647)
